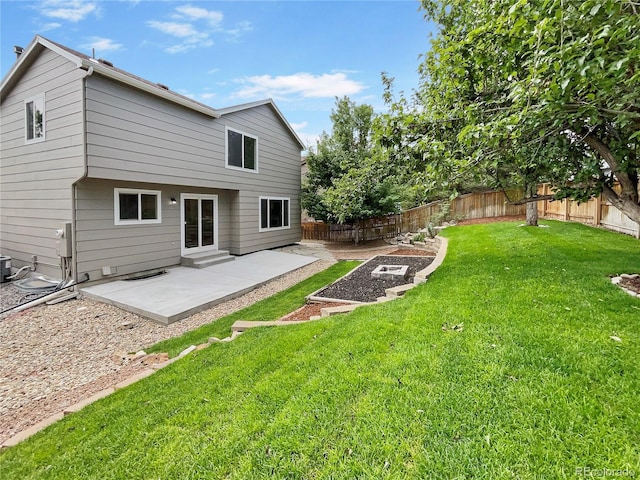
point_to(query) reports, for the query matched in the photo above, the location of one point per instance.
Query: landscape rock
(187, 351)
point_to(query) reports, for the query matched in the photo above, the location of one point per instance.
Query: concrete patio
(184, 291)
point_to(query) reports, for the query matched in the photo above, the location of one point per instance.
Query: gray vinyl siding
(134, 248)
(35, 189)
(134, 136)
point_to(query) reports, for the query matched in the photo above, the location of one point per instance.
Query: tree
(543, 90)
(346, 183)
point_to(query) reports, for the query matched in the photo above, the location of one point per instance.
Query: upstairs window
(274, 213)
(136, 206)
(34, 119)
(242, 150)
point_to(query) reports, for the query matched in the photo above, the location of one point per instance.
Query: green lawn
(532, 387)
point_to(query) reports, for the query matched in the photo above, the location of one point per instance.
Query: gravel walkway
(53, 356)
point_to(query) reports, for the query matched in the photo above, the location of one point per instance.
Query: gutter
(74, 185)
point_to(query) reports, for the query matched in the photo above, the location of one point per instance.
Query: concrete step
(206, 259)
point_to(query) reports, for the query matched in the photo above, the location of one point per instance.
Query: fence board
(597, 211)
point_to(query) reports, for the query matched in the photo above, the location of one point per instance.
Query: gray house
(109, 174)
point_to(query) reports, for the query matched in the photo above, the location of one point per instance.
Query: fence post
(598, 212)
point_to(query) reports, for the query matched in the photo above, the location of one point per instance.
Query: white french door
(199, 221)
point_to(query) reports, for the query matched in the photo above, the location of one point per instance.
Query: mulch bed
(308, 311)
(358, 286)
(632, 284)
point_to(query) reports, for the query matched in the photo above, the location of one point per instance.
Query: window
(34, 119)
(136, 206)
(242, 151)
(274, 213)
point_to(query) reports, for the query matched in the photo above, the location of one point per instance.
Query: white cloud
(207, 96)
(195, 26)
(190, 12)
(191, 37)
(299, 126)
(181, 30)
(50, 26)
(102, 44)
(70, 10)
(239, 29)
(327, 85)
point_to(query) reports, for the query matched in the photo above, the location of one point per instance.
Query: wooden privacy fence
(472, 205)
(371, 229)
(597, 211)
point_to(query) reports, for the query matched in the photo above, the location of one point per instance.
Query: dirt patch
(476, 221)
(308, 311)
(358, 286)
(632, 284)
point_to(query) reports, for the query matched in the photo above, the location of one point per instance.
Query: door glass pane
(128, 206)
(190, 223)
(207, 223)
(235, 149)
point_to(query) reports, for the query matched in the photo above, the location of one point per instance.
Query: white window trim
(116, 206)
(226, 150)
(44, 118)
(272, 229)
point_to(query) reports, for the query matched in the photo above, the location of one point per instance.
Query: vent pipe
(18, 51)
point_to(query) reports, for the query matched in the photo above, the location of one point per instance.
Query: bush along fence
(597, 211)
(474, 205)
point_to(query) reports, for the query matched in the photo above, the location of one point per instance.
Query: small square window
(274, 213)
(133, 207)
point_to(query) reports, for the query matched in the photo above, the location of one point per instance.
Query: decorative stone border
(618, 279)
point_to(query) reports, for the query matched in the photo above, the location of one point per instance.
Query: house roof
(95, 66)
(269, 102)
(98, 66)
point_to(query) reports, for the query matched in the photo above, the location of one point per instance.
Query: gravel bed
(632, 284)
(11, 296)
(358, 286)
(54, 356)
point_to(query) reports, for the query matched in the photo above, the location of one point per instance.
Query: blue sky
(300, 53)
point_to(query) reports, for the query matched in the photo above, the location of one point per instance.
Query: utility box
(63, 245)
(5, 268)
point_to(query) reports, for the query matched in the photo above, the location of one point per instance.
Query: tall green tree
(346, 182)
(544, 90)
